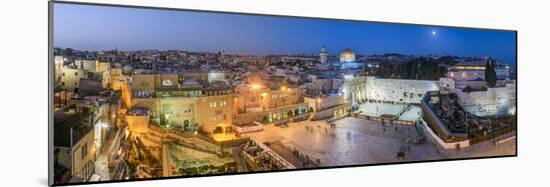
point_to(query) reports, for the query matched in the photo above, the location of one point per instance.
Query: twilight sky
(87, 27)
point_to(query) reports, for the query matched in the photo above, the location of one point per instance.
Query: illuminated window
(167, 83)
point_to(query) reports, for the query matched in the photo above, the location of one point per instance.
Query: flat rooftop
(71, 120)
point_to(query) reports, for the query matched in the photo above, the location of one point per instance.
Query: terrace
(71, 125)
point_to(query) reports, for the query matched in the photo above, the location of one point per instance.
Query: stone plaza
(358, 142)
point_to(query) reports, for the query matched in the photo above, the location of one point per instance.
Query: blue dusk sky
(88, 27)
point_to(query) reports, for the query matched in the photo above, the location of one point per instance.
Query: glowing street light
(255, 86)
(104, 125)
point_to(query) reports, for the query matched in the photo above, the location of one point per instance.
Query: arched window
(167, 82)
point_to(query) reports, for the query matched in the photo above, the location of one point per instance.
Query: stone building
(354, 89)
(187, 104)
(70, 78)
(398, 90)
(479, 99)
(74, 147)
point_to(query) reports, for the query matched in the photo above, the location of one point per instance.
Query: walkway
(102, 161)
(281, 150)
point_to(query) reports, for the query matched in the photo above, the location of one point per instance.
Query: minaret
(221, 56)
(323, 56)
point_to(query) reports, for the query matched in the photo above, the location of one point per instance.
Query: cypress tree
(490, 73)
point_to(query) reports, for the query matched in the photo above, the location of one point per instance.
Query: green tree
(490, 73)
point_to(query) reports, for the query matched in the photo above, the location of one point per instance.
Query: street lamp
(104, 125)
(255, 86)
(318, 104)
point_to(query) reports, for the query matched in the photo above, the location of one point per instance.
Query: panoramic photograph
(147, 93)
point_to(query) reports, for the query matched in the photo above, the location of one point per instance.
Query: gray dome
(127, 69)
(190, 83)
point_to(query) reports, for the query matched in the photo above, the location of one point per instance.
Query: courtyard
(357, 142)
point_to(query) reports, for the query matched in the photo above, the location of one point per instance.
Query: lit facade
(258, 97)
(256, 102)
(188, 105)
(354, 89)
(482, 100)
(59, 62)
(398, 90)
(327, 107)
(475, 70)
(70, 78)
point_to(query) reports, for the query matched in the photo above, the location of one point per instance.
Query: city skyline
(246, 34)
(147, 113)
